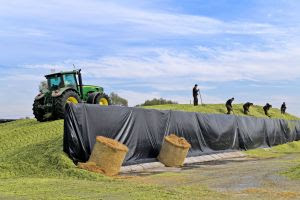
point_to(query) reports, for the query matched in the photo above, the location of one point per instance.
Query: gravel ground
(240, 178)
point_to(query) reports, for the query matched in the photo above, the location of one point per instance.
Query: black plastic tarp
(143, 130)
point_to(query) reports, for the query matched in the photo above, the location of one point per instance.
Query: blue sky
(144, 49)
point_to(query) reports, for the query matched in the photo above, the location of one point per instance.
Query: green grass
(33, 166)
(294, 172)
(255, 111)
(84, 189)
(278, 151)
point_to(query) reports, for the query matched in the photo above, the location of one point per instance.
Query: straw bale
(108, 154)
(112, 143)
(177, 141)
(174, 150)
(90, 166)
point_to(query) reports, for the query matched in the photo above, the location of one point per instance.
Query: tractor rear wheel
(37, 111)
(91, 97)
(60, 102)
(102, 99)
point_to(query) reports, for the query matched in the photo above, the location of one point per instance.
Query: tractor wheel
(91, 97)
(38, 112)
(102, 99)
(60, 102)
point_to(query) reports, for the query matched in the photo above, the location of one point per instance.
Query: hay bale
(90, 166)
(173, 151)
(108, 154)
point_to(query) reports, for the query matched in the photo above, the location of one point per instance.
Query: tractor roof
(62, 72)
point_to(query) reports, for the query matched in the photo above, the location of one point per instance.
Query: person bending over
(266, 108)
(229, 105)
(246, 107)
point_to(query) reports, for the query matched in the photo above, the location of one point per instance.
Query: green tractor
(62, 88)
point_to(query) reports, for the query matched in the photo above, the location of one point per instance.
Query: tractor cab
(60, 80)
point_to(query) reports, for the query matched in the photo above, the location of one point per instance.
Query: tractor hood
(57, 93)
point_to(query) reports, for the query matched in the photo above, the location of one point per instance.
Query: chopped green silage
(33, 166)
(255, 111)
(32, 149)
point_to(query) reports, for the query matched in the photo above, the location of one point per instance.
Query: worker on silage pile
(195, 94)
(246, 107)
(229, 105)
(283, 108)
(267, 108)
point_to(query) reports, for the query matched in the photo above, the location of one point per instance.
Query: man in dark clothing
(195, 94)
(246, 107)
(267, 108)
(283, 108)
(229, 105)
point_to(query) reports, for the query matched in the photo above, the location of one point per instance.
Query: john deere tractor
(62, 88)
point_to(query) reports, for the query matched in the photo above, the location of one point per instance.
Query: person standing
(283, 108)
(229, 105)
(195, 94)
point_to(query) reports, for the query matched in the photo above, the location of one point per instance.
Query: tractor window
(69, 79)
(55, 82)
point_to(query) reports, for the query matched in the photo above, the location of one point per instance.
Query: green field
(33, 166)
(255, 111)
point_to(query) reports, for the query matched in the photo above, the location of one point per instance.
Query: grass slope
(33, 166)
(255, 111)
(32, 149)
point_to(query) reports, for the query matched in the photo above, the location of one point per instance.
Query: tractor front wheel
(60, 102)
(102, 99)
(37, 111)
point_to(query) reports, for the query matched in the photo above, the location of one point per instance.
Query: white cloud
(21, 77)
(274, 56)
(168, 65)
(13, 111)
(23, 32)
(16, 97)
(176, 85)
(168, 72)
(69, 14)
(292, 102)
(135, 98)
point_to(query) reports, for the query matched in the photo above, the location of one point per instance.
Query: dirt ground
(239, 178)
